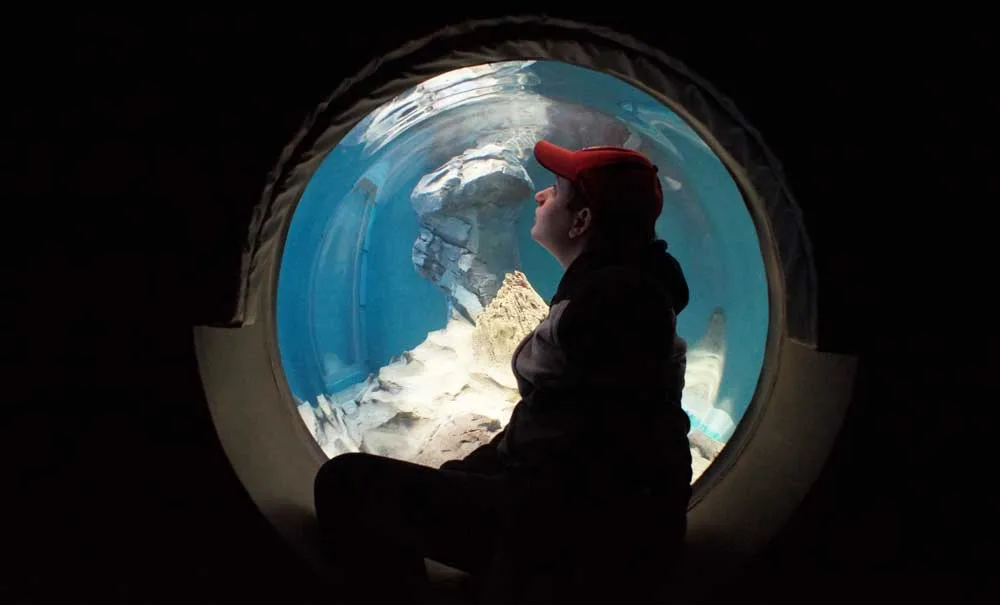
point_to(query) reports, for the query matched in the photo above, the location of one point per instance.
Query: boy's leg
(569, 548)
(380, 517)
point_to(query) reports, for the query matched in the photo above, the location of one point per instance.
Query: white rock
(452, 392)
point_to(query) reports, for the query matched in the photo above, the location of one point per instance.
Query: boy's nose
(541, 195)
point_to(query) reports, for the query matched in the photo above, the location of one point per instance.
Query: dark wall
(134, 150)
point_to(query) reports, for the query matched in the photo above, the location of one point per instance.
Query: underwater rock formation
(475, 193)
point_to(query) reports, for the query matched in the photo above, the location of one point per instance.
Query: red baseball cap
(583, 169)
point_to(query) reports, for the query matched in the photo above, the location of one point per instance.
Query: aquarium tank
(408, 274)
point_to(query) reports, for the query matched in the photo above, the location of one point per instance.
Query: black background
(133, 150)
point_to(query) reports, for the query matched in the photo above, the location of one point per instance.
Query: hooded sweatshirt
(600, 380)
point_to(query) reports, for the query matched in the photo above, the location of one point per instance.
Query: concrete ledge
(733, 515)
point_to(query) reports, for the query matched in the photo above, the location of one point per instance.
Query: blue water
(349, 298)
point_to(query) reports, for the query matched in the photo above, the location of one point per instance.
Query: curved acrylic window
(410, 225)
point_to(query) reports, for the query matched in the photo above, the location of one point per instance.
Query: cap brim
(555, 159)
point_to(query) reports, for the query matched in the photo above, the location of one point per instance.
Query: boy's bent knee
(338, 475)
(340, 467)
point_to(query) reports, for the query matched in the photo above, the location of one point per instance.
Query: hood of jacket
(652, 259)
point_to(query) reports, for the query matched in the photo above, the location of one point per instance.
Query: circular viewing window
(407, 238)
